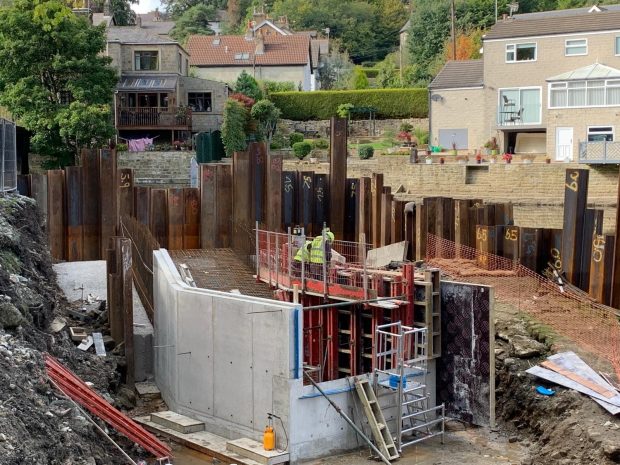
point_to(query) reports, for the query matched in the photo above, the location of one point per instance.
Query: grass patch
(539, 331)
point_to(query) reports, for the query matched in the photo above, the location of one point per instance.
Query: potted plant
(547, 160)
(507, 157)
(177, 144)
(405, 138)
(428, 160)
(494, 159)
(527, 159)
(478, 158)
(492, 146)
(442, 160)
(454, 150)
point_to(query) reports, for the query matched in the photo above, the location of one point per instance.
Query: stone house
(155, 94)
(274, 57)
(548, 83)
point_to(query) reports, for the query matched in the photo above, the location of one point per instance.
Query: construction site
(275, 315)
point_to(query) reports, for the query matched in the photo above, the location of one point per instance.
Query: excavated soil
(38, 425)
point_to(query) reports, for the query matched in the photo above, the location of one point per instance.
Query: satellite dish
(436, 97)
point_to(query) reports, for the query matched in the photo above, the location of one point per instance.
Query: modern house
(155, 94)
(274, 57)
(548, 82)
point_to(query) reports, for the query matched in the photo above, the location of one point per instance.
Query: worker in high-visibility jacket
(321, 253)
(303, 254)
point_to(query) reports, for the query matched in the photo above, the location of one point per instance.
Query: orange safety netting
(567, 311)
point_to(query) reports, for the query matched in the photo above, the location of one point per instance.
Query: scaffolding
(401, 369)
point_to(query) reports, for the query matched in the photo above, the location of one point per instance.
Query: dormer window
(520, 52)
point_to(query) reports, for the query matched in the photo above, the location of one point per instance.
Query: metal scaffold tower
(401, 369)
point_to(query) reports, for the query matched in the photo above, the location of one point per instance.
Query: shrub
(405, 127)
(359, 80)
(301, 149)
(390, 103)
(344, 110)
(366, 152)
(233, 127)
(321, 144)
(247, 85)
(121, 147)
(295, 137)
(421, 135)
(279, 141)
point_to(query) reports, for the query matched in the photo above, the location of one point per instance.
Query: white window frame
(519, 89)
(607, 85)
(567, 47)
(613, 131)
(616, 45)
(512, 48)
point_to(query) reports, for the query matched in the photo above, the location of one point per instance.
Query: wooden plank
(208, 206)
(386, 216)
(364, 211)
(351, 211)
(125, 192)
(75, 241)
(176, 218)
(224, 212)
(274, 193)
(56, 213)
(142, 204)
(159, 216)
(337, 174)
(109, 197)
(38, 187)
(530, 247)
(191, 224)
(376, 189)
(91, 204)
(575, 203)
(289, 199)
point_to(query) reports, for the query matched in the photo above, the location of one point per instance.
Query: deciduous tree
(195, 20)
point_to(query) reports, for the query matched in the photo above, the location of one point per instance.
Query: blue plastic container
(394, 380)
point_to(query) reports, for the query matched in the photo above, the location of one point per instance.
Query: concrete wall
(447, 113)
(537, 190)
(223, 358)
(297, 74)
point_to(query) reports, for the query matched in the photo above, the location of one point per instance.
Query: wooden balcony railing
(154, 118)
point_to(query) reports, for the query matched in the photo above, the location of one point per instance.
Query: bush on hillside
(321, 144)
(295, 137)
(366, 152)
(390, 103)
(302, 149)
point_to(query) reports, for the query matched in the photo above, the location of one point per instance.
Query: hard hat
(330, 235)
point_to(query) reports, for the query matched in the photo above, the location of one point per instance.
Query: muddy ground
(38, 425)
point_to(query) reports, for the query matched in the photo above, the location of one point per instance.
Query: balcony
(600, 152)
(179, 118)
(515, 115)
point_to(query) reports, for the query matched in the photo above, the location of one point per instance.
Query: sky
(144, 6)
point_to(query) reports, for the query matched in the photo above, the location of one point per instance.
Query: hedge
(390, 103)
(371, 73)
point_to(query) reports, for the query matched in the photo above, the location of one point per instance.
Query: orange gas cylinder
(269, 438)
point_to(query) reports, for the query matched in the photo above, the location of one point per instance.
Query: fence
(8, 146)
(567, 311)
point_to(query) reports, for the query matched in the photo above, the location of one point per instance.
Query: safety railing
(337, 267)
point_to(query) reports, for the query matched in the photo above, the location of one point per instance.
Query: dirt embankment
(37, 424)
(565, 429)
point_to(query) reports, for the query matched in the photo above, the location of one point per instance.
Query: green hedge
(371, 73)
(390, 103)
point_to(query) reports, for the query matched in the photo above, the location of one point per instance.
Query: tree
(53, 78)
(195, 20)
(335, 70)
(388, 75)
(359, 80)
(120, 9)
(467, 46)
(266, 114)
(176, 8)
(247, 85)
(234, 121)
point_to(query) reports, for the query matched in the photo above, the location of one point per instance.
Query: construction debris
(568, 370)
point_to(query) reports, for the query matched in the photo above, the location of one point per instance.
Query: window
(146, 61)
(617, 45)
(594, 93)
(520, 106)
(576, 47)
(520, 52)
(600, 133)
(199, 101)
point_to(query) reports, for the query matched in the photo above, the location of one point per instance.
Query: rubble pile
(38, 425)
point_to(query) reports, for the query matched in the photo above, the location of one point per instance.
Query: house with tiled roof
(548, 83)
(273, 57)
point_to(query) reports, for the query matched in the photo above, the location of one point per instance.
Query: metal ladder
(383, 438)
(401, 367)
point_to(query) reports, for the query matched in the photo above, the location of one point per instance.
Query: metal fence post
(303, 262)
(277, 260)
(324, 263)
(257, 254)
(290, 256)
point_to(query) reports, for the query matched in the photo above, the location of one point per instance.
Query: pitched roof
(457, 74)
(240, 51)
(318, 47)
(155, 23)
(595, 71)
(553, 23)
(406, 27)
(135, 35)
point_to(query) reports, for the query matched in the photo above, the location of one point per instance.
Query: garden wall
(361, 128)
(537, 190)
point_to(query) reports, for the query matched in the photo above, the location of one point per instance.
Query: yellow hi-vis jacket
(303, 254)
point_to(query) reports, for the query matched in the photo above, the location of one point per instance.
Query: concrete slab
(148, 390)
(207, 443)
(254, 450)
(177, 422)
(382, 256)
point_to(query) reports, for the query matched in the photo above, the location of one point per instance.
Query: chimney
(138, 21)
(249, 32)
(504, 16)
(106, 8)
(260, 44)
